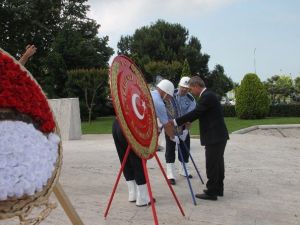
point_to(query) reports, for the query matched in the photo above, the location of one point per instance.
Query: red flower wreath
(20, 92)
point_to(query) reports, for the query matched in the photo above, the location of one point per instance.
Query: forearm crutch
(186, 175)
(188, 150)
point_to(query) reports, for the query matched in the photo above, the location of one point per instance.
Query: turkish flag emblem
(134, 106)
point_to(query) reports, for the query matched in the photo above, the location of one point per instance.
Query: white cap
(184, 82)
(166, 86)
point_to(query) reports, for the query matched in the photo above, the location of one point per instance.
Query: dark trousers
(133, 169)
(215, 169)
(170, 150)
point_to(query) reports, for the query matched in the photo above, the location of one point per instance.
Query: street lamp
(254, 63)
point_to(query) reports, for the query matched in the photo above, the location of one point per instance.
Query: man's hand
(184, 134)
(171, 122)
(30, 51)
(188, 125)
(176, 140)
(169, 129)
(159, 125)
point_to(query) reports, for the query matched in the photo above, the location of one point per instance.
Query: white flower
(27, 159)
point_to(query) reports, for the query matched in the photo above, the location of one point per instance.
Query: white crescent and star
(136, 111)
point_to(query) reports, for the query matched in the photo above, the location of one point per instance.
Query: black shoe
(207, 197)
(160, 148)
(172, 181)
(190, 175)
(219, 193)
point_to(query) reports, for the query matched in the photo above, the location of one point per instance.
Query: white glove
(159, 125)
(185, 132)
(176, 140)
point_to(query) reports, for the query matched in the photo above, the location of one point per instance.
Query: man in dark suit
(213, 135)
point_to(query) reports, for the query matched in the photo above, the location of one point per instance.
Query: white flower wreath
(27, 159)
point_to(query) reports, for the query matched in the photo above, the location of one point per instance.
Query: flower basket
(30, 143)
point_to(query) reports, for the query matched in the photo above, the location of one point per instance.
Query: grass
(103, 124)
(234, 124)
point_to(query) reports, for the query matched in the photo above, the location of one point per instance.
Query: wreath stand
(147, 182)
(66, 204)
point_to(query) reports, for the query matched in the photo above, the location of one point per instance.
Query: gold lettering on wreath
(142, 151)
(124, 85)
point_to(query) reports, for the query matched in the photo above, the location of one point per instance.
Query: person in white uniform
(184, 103)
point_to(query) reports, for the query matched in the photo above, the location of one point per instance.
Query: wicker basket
(22, 206)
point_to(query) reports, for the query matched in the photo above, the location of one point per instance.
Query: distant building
(229, 99)
(231, 94)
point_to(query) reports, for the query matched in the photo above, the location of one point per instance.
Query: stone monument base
(67, 114)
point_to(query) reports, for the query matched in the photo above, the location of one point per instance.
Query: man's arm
(202, 106)
(161, 113)
(30, 51)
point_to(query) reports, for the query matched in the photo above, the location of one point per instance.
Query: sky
(243, 36)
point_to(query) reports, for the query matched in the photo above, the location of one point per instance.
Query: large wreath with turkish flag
(30, 143)
(134, 106)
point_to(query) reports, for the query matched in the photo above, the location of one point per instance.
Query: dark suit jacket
(211, 121)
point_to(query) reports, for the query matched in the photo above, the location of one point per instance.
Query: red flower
(19, 91)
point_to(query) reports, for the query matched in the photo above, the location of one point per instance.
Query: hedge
(287, 110)
(284, 110)
(229, 110)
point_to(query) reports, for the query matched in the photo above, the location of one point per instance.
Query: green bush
(286, 110)
(229, 110)
(104, 109)
(252, 99)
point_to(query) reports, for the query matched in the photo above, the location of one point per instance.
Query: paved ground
(262, 184)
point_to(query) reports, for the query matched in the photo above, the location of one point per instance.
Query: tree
(219, 82)
(75, 51)
(55, 76)
(285, 86)
(124, 45)
(251, 98)
(186, 72)
(296, 94)
(198, 62)
(89, 85)
(77, 46)
(23, 22)
(30, 22)
(65, 37)
(297, 84)
(166, 42)
(279, 87)
(272, 88)
(167, 70)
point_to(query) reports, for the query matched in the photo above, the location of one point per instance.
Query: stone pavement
(262, 184)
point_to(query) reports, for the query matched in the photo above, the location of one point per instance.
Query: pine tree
(186, 71)
(252, 99)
